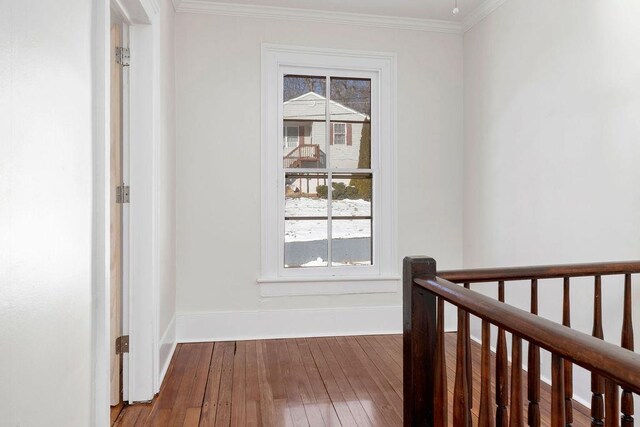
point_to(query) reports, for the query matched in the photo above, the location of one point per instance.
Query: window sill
(327, 285)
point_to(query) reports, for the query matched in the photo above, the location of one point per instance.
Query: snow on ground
(308, 230)
(322, 263)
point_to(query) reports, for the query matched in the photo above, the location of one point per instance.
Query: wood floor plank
(392, 364)
(371, 397)
(385, 370)
(223, 414)
(294, 400)
(192, 417)
(267, 406)
(191, 390)
(385, 386)
(367, 378)
(307, 381)
(348, 390)
(339, 400)
(303, 385)
(315, 386)
(252, 388)
(276, 382)
(210, 402)
(238, 393)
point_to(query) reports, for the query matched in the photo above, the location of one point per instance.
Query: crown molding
(485, 9)
(322, 16)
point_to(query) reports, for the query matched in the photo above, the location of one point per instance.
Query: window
(327, 199)
(339, 133)
(291, 137)
(325, 228)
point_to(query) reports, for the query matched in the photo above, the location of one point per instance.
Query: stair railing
(425, 379)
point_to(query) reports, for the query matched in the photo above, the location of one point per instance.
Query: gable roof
(311, 107)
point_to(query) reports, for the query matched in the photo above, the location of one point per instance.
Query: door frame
(119, 19)
(141, 376)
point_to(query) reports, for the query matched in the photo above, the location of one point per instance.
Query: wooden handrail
(618, 364)
(540, 272)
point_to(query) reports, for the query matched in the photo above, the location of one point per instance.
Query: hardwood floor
(313, 381)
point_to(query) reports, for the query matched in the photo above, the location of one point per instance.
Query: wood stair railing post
(485, 418)
(441, 410)
(558, 413)
(419, 343)
(461, 408)
(515, 412)
(611, 404)
(627, 342)
(568, 366)
(502, 374)
(468, 355)
(533, 368)
(597, 382)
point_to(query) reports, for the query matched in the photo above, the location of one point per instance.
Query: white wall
(45, 213)
(552, 158)
(167, 187)
(218, 158)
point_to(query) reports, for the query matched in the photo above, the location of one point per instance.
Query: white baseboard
(168, 344)
(298, 323)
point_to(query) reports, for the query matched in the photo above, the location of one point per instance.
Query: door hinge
(122, 194)
(123, 56)
(122, 344)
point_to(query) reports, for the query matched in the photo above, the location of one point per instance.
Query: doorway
(126, 115)
(118, 199)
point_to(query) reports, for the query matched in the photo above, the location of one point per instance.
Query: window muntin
(325, 229)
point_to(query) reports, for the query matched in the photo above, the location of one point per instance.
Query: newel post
(419, 343)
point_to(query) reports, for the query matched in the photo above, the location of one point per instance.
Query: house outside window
(327, 200)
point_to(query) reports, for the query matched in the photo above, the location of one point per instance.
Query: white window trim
(383, 276)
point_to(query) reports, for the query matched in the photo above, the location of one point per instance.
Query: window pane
(305, 195)
(351, 195)
(351, 242)
(305, 243)
(350, 136)
(307, 150)
(304, 127)
(351, 219)
(291, 136)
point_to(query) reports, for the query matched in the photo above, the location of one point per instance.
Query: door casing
(141, 259)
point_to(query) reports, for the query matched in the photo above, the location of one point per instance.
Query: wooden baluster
(468, 356)
(627, 342)
(516, 418)
(558, 413)
(461, 410)
(441, 410)
(612, 404)
(485, 418)
(597, 382)
(533, 365)
(568, 366)
(502, 376)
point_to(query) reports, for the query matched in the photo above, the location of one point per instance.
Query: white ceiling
(421, 9)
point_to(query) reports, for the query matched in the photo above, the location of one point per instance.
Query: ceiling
(420, 9)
